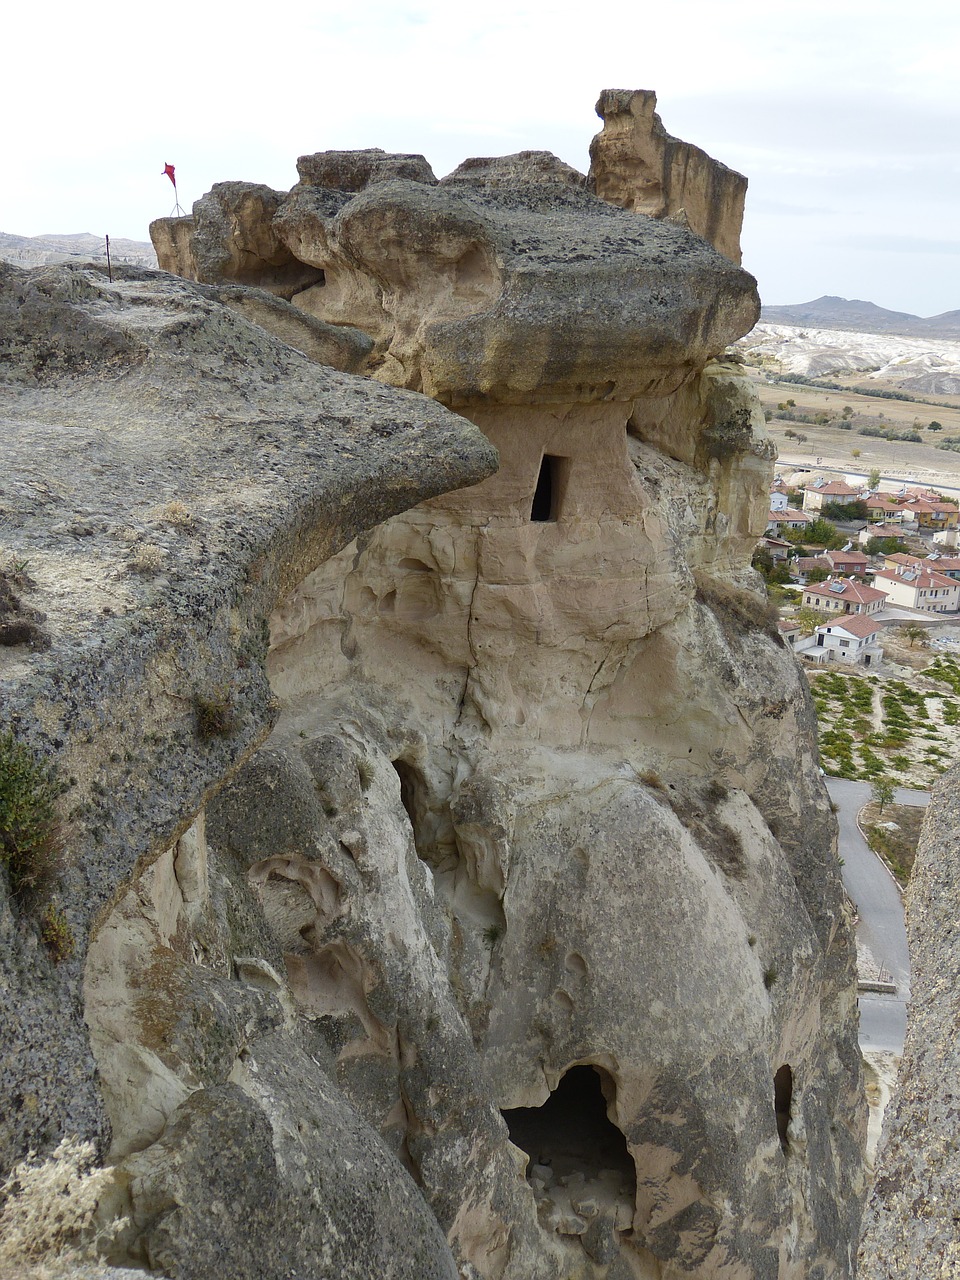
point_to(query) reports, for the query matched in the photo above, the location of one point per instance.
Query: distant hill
(857, 316)
(38, 251)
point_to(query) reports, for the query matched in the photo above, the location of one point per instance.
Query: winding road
(883, 1018)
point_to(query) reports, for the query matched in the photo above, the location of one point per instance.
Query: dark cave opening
(546, 497)
(782, 1102)
(571, 1133)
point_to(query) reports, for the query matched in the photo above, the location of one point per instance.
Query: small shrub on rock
(216, 717)
(30, 842)
(56, 934)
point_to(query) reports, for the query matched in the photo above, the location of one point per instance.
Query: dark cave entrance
(546, 498)
(411, 789)
(572, 1134)
(413, 797)
(783, 1102)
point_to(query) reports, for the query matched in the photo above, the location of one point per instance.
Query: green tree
(823, 534)
(855, 452)
(884, 546)
(873, 479)
(935, 426)
(808, 619)
(847, 411)
(916, 633)
(882, 791)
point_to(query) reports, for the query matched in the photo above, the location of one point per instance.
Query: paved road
(880, 928)
(883, 1023)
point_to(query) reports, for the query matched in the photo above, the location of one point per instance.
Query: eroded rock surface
(566, 766)
(636, 164)
(508, 281)
(911, 1225)
(524, 928)
(169, 472)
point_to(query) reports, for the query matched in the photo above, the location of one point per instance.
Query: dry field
(833, 446)
(894, 833)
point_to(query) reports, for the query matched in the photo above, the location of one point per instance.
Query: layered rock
(518, 951)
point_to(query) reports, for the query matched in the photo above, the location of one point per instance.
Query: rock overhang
(508, 281)
(168, 471)
(575, 293)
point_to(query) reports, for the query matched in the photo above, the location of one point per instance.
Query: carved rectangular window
(548, 495)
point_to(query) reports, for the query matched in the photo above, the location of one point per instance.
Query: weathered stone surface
(636, 164)
(355, 170)
(533, 886)
(911, 1221)
(505, 171)
(475, 292)
(509, 281)
(232, 240)
(597, 719)
(169, 471)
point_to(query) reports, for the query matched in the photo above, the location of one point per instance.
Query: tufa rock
(169, 471)
(518, 949)
(636, 164)
(910, 1227)
(355, 170)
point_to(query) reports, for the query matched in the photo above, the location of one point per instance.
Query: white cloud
(848, 105)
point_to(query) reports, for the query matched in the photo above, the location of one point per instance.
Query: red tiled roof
(845, 558)
(916, 576)
(856, 624)
(901, 557)
(833, 488)
(855, 592)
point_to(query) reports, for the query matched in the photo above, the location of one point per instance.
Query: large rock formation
(169, 472)
(911, 1225)
(636, 164)
(518, 951)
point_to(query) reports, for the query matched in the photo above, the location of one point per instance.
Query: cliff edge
(453, 886)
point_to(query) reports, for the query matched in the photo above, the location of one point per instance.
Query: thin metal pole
(109, 267)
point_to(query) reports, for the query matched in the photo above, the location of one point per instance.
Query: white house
(849, 639)
(822, 492)
(915, 587)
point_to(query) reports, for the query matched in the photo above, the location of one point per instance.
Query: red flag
(169, 170)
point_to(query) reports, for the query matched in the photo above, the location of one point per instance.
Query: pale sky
(843, 114)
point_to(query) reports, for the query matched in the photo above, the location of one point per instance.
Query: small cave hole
(546, 498)
(571, 1133)
(411, 784)
(783, 1102)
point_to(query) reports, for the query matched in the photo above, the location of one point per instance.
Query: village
(867, 584)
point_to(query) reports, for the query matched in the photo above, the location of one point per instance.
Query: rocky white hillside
(919, 365)
(40, 251)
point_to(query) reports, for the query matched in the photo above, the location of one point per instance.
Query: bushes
(31, 845)
(30, 842)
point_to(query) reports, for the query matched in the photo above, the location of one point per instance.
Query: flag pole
(109, 267)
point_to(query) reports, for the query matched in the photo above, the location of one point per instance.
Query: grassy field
(898, 846)
(872, 727)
